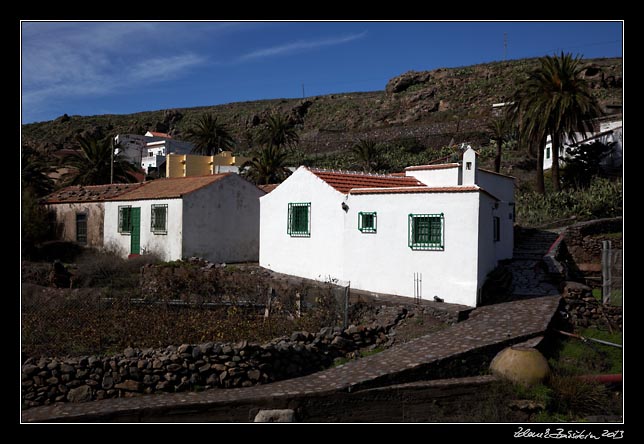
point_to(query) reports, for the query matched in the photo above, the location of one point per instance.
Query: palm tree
(367, 152)
(210, 136)
(555, 101)
(34, 172)
(498, 131)
(278, 131)
(91, 164)
(268, 165)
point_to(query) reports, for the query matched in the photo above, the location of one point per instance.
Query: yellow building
(185, 165)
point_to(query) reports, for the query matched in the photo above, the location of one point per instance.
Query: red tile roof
(171, 188)
(422, 189)
(268, 188)
(164, 135)
(347, 181)
(92, 193)
(440, 166)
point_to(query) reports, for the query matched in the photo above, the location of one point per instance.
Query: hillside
(431, 108)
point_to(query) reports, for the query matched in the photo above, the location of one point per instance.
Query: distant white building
(448, 225)
(149, 151)
(608, 131)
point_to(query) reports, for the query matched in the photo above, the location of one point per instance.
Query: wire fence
(612, 275)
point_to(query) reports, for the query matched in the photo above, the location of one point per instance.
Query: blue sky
(90, 68)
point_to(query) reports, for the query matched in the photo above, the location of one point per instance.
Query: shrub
(602, 199)
(572, 395)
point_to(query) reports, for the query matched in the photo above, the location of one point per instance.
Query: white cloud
(63, 60)
(298, 46)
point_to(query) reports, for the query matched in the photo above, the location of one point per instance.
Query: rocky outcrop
(406, 81)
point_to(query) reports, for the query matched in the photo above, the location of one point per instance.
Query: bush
(602, 199)
(570, 395)
(108, 269)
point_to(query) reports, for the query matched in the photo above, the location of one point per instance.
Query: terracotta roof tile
(420, 189)
(347, 181)
(164, 135)
(171, 188)
(92, 193)
(440, 166)
(268, 188)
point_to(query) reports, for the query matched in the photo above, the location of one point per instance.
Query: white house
(608, 130)
(215, 217)
(149, 151)
(449, 224)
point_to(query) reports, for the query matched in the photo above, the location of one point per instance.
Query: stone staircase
(530, 274)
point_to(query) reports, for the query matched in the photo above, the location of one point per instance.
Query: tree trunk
(541, 188)
(497, 159)
(556, 184)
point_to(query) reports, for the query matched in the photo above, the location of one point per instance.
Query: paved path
(498, 324)
(529, 274)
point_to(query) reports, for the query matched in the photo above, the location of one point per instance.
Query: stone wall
(584, 240)
(196, 366)
(586, 311)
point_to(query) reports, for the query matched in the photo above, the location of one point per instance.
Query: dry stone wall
(47, 380)
(584, 240)
(586, 311)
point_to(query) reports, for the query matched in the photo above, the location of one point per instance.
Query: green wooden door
(135, 234)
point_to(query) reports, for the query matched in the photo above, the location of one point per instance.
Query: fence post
(346, 306)
(267, 310)
(606, 284)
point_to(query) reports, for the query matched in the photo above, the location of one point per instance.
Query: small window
(81, 228)
(367, 222)
(547, 152)
(497, 229)
(125, 219)
(468, 165)
(426, 231)
(159, 219)
(299, 219)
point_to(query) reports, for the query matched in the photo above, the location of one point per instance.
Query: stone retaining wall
(586, 311)
(584, 240)
(197, 366)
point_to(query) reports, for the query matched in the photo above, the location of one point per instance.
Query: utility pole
(303, 90)
(112, 162)
(505, 46)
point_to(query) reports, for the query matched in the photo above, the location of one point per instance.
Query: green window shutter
(367, 222)
(425, 231)
(299, 219)
(125, 219)
(159, 219)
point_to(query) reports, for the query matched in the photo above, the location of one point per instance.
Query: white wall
(501, 187)
(384, 262)
(167, 246)
(317, 257)
(488, 249)
(443, 177)
(221, 221)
